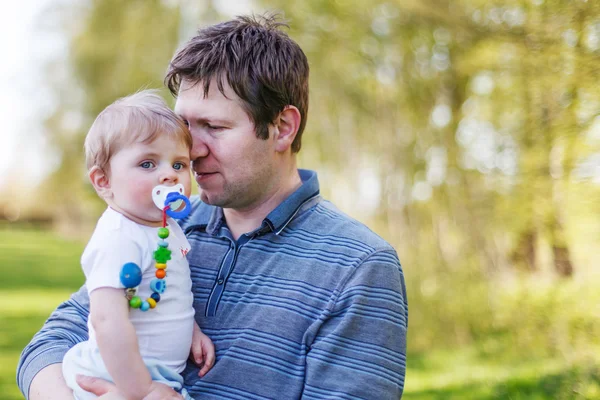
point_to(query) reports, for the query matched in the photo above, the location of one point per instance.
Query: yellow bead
(161, 266)
(151, 301)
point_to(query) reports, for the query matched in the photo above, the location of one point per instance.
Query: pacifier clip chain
(158, 285)
(131, 273)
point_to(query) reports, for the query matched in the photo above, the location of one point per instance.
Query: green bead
(162, 255)
(163, 233)
(135, 302)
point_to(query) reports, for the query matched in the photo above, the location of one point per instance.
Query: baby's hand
(203, 351)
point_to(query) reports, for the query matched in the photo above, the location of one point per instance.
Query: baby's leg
(165, 375)
(82, 360)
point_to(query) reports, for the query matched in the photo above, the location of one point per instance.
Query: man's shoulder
(325, 219)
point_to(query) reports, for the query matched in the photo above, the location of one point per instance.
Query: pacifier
(170, 199)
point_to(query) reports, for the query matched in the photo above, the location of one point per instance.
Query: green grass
(465, 374)
(43, 269)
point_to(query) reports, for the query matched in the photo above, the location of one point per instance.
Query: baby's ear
(100, 181)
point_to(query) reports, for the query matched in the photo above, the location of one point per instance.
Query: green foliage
(116, 48)
(471, 117)
(536, 342)
(43, 270)
(457, 129)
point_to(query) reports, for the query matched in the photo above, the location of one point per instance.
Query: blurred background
(465, 132)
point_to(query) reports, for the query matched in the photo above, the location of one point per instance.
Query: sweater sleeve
(66, 327)
(359, 351)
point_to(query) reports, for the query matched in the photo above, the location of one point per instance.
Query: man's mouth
(200, 174)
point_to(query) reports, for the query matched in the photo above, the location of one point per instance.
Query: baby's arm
(203, 351)
(118, 343)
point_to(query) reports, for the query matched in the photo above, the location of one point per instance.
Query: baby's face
(139, 167)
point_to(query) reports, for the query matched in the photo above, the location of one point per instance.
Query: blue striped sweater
(310, 305)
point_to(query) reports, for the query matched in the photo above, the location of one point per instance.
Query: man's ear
(286, 127)
(100, 181)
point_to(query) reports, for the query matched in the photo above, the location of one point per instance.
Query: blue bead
(155, 296)
(131, 275)
(145, 306)
(158, 286)
(163, 243)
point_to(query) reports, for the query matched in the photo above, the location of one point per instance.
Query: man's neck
(247, 220)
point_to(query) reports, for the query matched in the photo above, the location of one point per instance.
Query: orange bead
(161, 266)
(161, 273)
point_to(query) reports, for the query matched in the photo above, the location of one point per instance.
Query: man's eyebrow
(204, 120)
(212, 120)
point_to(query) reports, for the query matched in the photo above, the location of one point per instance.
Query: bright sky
(23, 47)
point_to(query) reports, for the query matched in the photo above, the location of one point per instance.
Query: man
(300, 300)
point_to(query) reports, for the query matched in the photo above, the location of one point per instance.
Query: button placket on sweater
(225, 271)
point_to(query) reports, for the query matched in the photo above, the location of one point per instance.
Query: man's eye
(147, 164)
(186, 123)
(178, 166)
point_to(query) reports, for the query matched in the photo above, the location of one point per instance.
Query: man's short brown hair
(264, 67)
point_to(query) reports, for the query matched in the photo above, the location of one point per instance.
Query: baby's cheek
(142, 191)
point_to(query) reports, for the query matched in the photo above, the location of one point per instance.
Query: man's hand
(108, 391)
(203, 351)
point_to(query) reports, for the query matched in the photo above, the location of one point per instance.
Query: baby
(141, 323)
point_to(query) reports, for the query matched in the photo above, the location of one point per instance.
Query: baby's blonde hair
(140, 117)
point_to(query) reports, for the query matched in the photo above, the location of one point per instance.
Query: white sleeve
(104, 257)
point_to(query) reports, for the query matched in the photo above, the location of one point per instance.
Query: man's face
(233, 168)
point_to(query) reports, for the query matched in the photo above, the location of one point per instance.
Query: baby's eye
(178, 166)
(147, 164)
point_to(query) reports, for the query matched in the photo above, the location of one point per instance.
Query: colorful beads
(162, 255)
(151, 302)
(135, 302)
(145, 306)
(158, 286)
(163, 233)
(131, 275)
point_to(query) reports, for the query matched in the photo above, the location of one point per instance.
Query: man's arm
(66, 327)
(360, 349)
(49, 384)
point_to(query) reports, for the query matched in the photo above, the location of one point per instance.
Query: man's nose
(199, 147)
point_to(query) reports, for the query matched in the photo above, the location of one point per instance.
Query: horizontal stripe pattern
(296, 310)
(313, 306)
